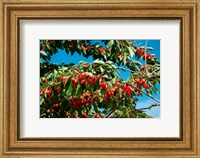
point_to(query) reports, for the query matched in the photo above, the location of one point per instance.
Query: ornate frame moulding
(13, 12)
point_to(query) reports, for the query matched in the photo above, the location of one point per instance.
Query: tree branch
(148, 108)
(149, 96)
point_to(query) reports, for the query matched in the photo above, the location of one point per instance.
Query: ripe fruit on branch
(117, 83)
(58, 89)
(42, 91)
(45, 80)
(146, 86)
(102, 85)
(71, 99)
(49, 93)
(84, 101)
(48, 110)
(108, 93)
(68, 114)
(55, 105)
(100, 49)
(137, 80)
(83, 81)
(128, 92)
(139, 51)
(54, 84)
(98, 77)
(71, 46)
(63, 79)
(76, 68)
(143, 67)
(96, 116)
(84, 114)
(85, 66)
(142, 81)
(79, 76)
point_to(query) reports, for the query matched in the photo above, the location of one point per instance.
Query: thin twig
(148, 108)
(136, 73)
(111, 112)
(150, 96)
(146, 94)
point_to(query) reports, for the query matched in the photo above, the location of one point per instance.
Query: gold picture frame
(12, 12)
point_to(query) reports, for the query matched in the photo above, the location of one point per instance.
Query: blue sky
(145, 101)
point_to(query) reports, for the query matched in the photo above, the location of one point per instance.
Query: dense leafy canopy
(96, 90)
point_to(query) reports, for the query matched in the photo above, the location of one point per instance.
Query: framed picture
(99, 79)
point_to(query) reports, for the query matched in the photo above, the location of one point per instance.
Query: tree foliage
(96, 90)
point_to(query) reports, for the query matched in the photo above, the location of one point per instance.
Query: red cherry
(108, 93)
(124, 87)
(68, 114)
(84, 114)
(85, 66)
(58, 89)
(83, 81)
(76, 105)
(143, 67)
(42, 91)
(75, 81)
(100, 49)
(76, 68)
(71, 46)
(137, 80)
(63, 79)
(49, 93)
(96, 115)
(128, 93)
(45, 80)
(142, 81)
(55, 105)
(48, 110)
(136, 88)
(98, 77)
(146, 86)
(102, 84)
(117, 83)
(54, 84)
(71, 99)
(141, 51)
(83, 101)
(118, 96)
(85, 75)
(80, 76)
(72, 79)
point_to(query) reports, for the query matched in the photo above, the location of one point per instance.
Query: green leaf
(155, 89)
(99, 62)
(124, 59)
(69, 90)
(100, 99)
(84, 52)
(131, 51)
(149, 48)
(42, 53)
(97, 110)
(78, 89)
(41, 101)
(101, 69)
(110, 43)
(109, 62)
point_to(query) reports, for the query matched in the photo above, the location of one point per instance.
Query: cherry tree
(96, 89)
